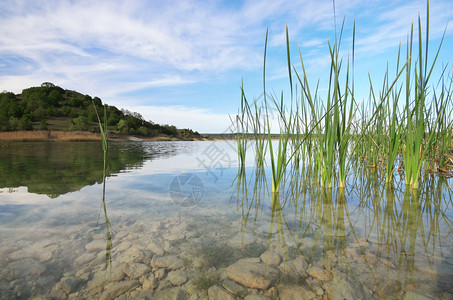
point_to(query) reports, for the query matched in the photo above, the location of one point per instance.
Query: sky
(183, 62)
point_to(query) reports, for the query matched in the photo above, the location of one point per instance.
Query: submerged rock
(171, 262)
(123, 246)
(297, 292)
(177, 277)
(150, 283)
(243, 239)
(105, 277)
(118, 289)
(267, 228)
(135, 254)
(84, 258)
(294, 270)
(233, 287)
(319, 273)
(411, 295)
(156, 248)
(343, 288)
(96, 246)
(257, 297)
(253, 275)
(389, 289)
(160, 274)
(68, 284)
(271, 258)
(215, 292)
(176, 293)
(136, 270)
(24, 267)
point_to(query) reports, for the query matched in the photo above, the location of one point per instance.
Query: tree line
(38, 107)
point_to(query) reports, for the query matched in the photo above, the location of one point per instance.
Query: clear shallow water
(369, 242)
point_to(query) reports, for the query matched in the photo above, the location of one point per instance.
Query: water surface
(178, 200)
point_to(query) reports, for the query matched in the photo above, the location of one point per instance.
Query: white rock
(215, 292)
(295, 292)
(156, 248)
(118, 289)
(136, 270)
(170, 262)
(177, 277)
(271, 258)
(124, 246)
(253, 275)
(96, 246)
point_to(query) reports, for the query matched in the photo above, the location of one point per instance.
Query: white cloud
(110, 48)
(198, 119)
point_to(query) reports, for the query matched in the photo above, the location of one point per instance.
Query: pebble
(150, 283)
(319, 273)
(160, 273)
(84, 258)
(253, 275)
(215, 292)
(25, 267)
(96, 246)
(171, 262)
(124, 246)
(69, 284)
(175, 293)
(412, 295)
(136, 270)
(256, 297)
(271, 258)
(178, 277)
(233, 287)
(295, 292)
(156, 249)
(134, 254)
(118, 289)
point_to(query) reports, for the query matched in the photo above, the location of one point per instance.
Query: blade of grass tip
(427, 37)
(264, 65)
(101, 129)
(105, 133)
(274, 179)
(420, 53)
(289, 62)
(437, 55)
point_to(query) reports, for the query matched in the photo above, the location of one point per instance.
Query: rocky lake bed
(203, 258)
(59, 239)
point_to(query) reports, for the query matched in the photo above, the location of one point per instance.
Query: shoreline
(86, 136)
(75, 136)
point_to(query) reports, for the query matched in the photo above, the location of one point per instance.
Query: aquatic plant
(417, 139)
(206, 279)
(104, 143)
(333, 134)
(328, 132)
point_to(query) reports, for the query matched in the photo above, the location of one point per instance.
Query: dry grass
(45, 135)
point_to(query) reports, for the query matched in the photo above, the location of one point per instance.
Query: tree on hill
(36, 107)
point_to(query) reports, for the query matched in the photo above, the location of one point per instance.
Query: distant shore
(66, 136)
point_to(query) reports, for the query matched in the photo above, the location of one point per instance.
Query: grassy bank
(45, 135)
(73, 136)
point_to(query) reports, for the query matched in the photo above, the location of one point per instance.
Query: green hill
(51, 107)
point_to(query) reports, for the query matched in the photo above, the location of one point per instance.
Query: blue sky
(182, 62)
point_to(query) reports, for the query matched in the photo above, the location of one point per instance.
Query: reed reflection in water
(383, 240)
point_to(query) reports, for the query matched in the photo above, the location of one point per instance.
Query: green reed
(401, 121)
(335, 131)
(418, 138)
(104, 143)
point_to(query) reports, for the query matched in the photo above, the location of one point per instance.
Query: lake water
(174, 226)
